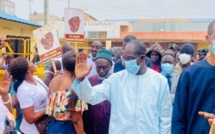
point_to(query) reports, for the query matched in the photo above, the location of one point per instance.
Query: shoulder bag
(43, 122)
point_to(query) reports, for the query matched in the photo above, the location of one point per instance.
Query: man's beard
(104, 77)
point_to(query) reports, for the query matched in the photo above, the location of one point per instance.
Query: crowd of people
(121, 91)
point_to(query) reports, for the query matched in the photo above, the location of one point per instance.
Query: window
(92, 35)
(102, 35)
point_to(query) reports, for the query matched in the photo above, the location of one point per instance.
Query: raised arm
(4, 90)
(83, 88)
(81, 69)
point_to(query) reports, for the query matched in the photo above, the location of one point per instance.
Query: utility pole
(30, 1)
(68, 3)
(46, 9)
(30, 5)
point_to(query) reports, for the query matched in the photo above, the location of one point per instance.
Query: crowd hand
(2, 42)
(5, 84)
(4, 57)
(57, 73)
(11, 125)
(209, 116)
(81, 69)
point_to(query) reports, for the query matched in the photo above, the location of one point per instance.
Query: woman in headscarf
(155, 53)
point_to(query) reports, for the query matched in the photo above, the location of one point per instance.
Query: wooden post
(54, 66)
(76, 47)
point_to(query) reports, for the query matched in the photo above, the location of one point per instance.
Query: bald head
(139, 47)
(97, 43)
(134, 48)
(210, 28)
(210, 38)
(95, 47)
(66, 48)
(127, 39)
(168, 58)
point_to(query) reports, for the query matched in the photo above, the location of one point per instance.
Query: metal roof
(129, 20)
(189, 26)
(202, 19)
(17, 19)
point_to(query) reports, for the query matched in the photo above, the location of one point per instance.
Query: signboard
(102, 23)
(47, 42)
(74, 25)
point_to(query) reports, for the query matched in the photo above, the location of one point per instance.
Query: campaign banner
(47, 42)
(74, 25)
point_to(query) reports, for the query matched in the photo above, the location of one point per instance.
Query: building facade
(7, 6)
(171, 31)
(18, 33)
(167, 32)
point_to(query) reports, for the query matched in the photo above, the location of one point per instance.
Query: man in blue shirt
(196, 92)
(167, 70)
(167, 67)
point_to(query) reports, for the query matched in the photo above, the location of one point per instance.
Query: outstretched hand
(209, 116)
(5, 84)
(2, 42)
(81, 69)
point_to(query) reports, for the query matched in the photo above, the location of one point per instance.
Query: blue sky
(124, 9)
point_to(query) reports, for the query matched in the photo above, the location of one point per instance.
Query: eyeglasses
(130, 58)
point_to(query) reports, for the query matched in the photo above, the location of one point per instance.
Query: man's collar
(166, 75)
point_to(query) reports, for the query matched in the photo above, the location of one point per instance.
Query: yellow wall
(202, 45)
(83, 45)
(18, 29)
(15, 28)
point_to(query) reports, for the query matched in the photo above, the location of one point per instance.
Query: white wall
(7, 7)
(111, 27)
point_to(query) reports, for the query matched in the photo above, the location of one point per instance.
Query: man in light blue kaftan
(140, 97)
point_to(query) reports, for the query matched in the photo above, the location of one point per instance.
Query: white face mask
(184, 58)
